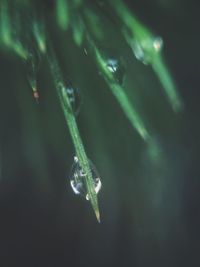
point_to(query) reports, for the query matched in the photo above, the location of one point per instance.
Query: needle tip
(97, 215)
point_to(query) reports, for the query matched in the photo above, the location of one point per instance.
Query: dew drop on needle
(145, 50)
(74, 97)
(116, 67)
(78, 179)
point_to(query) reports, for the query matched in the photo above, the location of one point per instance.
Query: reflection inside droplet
(78, 179)
(112, 64)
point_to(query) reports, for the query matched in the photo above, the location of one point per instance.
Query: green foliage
(33, 39)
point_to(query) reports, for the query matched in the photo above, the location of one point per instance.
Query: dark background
(149, 201)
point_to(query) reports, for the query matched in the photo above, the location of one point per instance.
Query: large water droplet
(146, 50)
(78, 179)
(115, 66)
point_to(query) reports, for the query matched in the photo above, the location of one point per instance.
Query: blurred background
(149, 200)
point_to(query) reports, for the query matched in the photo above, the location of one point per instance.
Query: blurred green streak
(165, 78)
(62, 13)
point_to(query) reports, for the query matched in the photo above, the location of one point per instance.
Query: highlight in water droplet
(112, 64)
(78, 179)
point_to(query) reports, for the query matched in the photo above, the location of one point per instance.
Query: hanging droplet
(74, 97)
(146, 50)
(78, 179)
(116, 67)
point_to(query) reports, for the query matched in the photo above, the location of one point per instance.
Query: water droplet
(146, 49)
(112, 64)
(116, 67)
(158, 44)
(78, 176)
(74, 97)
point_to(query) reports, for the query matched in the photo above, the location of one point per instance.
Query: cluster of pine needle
(28, 29)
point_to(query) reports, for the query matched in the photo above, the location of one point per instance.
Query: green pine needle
(74, 132)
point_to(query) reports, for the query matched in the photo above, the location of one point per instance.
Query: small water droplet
(74, 97)
(158, 44)
(77, 179)
(146, 50)
(115, 66)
